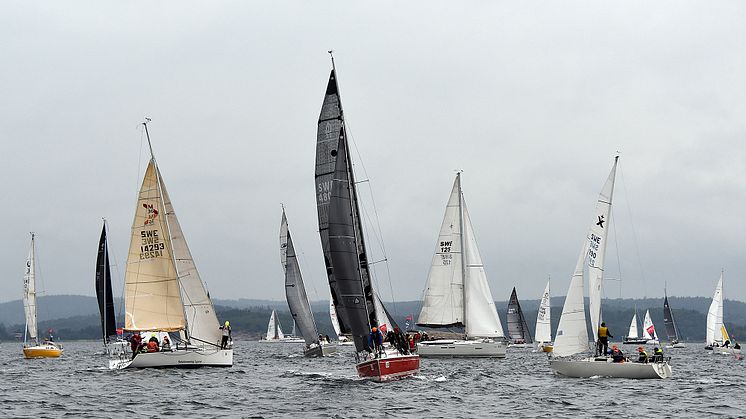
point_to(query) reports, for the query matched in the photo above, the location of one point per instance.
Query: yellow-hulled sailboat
(31, 346)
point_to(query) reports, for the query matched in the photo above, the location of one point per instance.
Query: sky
(532, 100)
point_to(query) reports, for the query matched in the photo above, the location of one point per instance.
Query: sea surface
(275, 380)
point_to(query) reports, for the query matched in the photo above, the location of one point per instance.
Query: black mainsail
(668, 321)
(103, 289)
(340, 226)
(517, 327)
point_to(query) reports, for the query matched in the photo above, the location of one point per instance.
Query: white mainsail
(544, 318)
(572, 334)
(202, 322)
(274, 330)
(152, 296)
(648, 329)
(481, 314)
(29, 293)
(632, 334)
(715, 316)
(443, 303)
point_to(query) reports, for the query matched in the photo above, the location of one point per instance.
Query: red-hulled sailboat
(358, 307)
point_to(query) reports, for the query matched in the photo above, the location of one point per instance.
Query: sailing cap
(639, 348)
(227, 323)
(374, 328)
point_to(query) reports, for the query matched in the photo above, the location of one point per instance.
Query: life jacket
(603, 332)
(152, 346)
(658, 351)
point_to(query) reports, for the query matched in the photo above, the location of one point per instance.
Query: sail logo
(151, 215)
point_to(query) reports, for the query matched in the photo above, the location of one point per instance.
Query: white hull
(181, 358)
(462, 348)
(323, 350)
(284, 340)
(725, 351)
(521, 345)
(676, 345)
(589, 367)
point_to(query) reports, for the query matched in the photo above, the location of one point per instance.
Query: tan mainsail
(152, 298)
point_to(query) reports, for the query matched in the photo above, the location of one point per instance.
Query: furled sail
(295, 290)
(152, 297)
(480, 311)
(327, 145)
(443, 303)
(29, 292)
(202, 322)
(544, 318)
(103, 289)
(671, 332)
(517, 327)
(632, 334)
(715, 315)
(648, 329)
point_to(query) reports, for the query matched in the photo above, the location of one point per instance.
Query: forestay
(715, 315)
(29, 292)
(152, 297)
(295, 290)
(443, 303)
(544, 318)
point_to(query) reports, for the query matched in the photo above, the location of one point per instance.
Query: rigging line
(634, 234)
(618, 259)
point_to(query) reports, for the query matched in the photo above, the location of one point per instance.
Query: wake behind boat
(572, 334)
(163, 290)
(457, 293)
(32, 348)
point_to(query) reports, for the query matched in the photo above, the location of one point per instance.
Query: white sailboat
(275, 334)
(544, 323)
(457, 293)
(572, 335)
(163, 290)
(633, 337)
(717, 335)
(648, 330)
(342, 340)
(32, 348)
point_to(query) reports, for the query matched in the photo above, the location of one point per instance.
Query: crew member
(375, 340)
(643, 356)
(617, 355)
(226, 334)
(603, 339)
(657, 354)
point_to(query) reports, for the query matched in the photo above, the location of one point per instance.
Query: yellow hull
(42, 352)
(547, 348)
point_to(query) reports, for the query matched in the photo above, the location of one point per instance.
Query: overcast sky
(530, 99)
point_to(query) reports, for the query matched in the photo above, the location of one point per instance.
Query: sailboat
(633, 337)
(648, 330)
(342, 340)
(163, 291)
(572, 332)
(544, 323)
(518, 331)
(32, 348)
(672, 332)
(295, 292)
(105, 298)
(717, 334)
(343, 241)
(457, 293)
(275, 333)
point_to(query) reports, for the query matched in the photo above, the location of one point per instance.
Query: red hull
(390, 368)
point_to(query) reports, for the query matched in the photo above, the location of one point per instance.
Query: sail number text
(445, 250)
(151, 245)
(593, 249)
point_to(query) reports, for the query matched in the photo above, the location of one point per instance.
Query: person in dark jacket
(616, 354)
(375, 340)
(657, 354)
(603, 339)
(135, 343)
(643, 356)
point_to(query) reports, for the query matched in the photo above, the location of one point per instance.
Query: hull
(323, 350)
(635, 341)
(676, 345)
(725, 351)
(545, 347)
(520, 345)
(47, 350)
(345, 343)
(590, 367)
(189, 358)
(389, 367)
(462, 348)
(292, 340)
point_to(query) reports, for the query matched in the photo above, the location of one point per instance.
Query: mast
(168, 226)
(461, 244)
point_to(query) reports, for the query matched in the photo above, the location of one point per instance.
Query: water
(270, 380)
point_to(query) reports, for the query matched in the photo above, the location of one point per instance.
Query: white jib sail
(152, 296)
(274, 331)
(333, 317)
(202, 322)
(632, 334)
(572, 332)
(480, 314)
(597, 249)
(715, 315)
(544, 318)
(443, 303)
(29, 293)
(648, 329)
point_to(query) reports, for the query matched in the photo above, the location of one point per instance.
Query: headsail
(648, 329)
(715, 315)
(572, 332)
(671, 332)
(517, 327)
(295, 290)
(29, 293)
(152, 297)
(103, 289)
(544, 318)
(274, 330)
(632, 334)
(443, 303)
